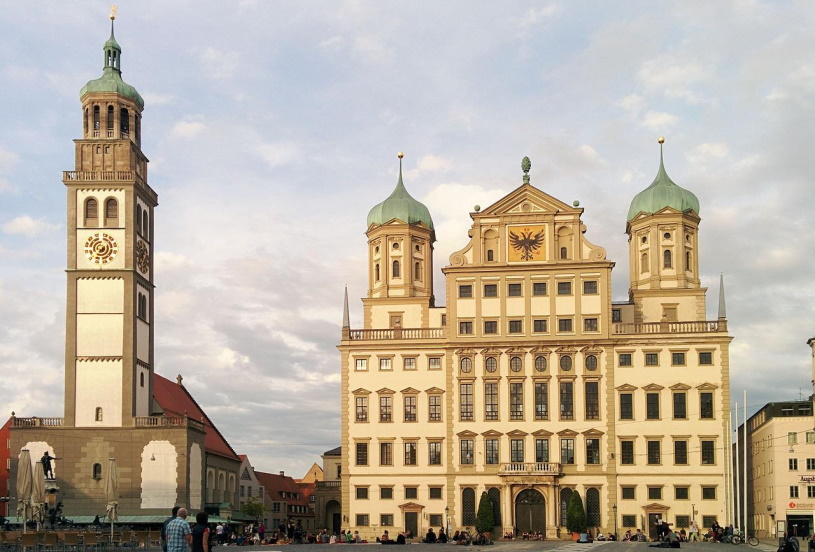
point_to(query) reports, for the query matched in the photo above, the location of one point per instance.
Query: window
(417, 271)
(540, 363)
(111, 209)
(677, 359)
(626, 406)
(590, 325)
(362, 454)
(466, 451)
(616, 315)
(491, 446)
(396, 269)
(541, 450)
(793, 464)
(654, 452)
(591, 362)
(654, 493)
(680, 452)
(516, 401)
(385, 363)
(96, 119)
(514, 290)
(91, 209)
(490, 255)
(362, 493)
(490, 401)
(566, 400)
(410, 453)
(98, 415)
(434, 405)
(386, 520)
(539, 288)
(435, 492)
(516, 326)
(706, 405)
(564, 325)
(652, 359)
(810, 436)
(490, 327)
(434, 453)
(410, 408)
(465, 327)
(652, 406)
(516, 450)
(491, 364)
(680, 405)
(590, 288)
(362, 409)
(386, 454)
(567, 451)
(376, 272)
(539, 326)
(97, 471)
(565, 363)
(541, 401)
(363, 520)
(565, 496)
(708, 493)
(386, 409)
(628, 493)
(793, 491)
(624, 359)
(592, 400)
(490, 290)
(141, 380)
(434, 363)
(792, 438)
(409, 363)
(564, 253)
(627, 453)
(466, 394)
(145, 226)
(592, 451)
(708, 521)
(705, 358)
(564, 288)
(666, 259)
(708, 453)
(110, 118)
(465, 291)
(411, 492)
(811, 463)
(682, 493)
(516, 364)
(468, 506)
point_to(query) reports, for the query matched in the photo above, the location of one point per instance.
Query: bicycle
(741, 537)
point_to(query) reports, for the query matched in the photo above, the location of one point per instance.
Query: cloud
(655, 120)
(372, 48)
(706, 152)
(27, 226)
(278, 154)
(188, 129)
(6, 186)
(333, 44)
(154, 99)
(219, 64)
(673, 77)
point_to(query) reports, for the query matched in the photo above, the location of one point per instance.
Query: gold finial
(661, 139)
(400, 155)
(113, 12)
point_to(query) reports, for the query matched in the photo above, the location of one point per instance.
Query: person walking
(200, 533)
(164, 527)
(179, 536)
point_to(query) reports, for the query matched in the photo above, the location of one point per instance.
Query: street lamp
(614, 507)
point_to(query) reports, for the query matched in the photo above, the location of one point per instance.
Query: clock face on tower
(142, 257)
(101, 248)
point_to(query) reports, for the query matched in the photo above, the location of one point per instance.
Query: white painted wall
(99, 384)
(196, 474)
(95, 295)
(99, 335)
(159, 466)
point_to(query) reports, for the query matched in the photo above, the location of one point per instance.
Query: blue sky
(273, 127)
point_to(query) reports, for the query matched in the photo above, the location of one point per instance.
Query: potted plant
(576, 516)
(485, 520)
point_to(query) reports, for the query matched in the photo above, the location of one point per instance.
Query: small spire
(526, 164)
(722, 308)
(346, 319)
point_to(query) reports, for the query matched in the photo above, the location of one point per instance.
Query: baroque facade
(531, 383)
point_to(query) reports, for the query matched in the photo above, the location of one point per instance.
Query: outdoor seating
(140, 539)
(29, 541)
(90, 540)
(70, 541)
(8, 543)
(48, 542)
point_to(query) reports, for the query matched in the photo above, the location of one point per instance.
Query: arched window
(98, 413)
(565, 496)
(97, 471)
(688, 261)
(564, 253)
(91, 211)
(110, 117)
(138, 129)
(124, 122)
(86, 122)
(666, 259)
(96, 123)
(141, 379)
(644, 262)
(490, 255)
(468, 506)
(138, 219)
(376, 272)
(494, 494)
(417, 271)
(111, 209)
(396, 269)
(145, 224)
(593, 507)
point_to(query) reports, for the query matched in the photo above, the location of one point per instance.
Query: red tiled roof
(275, 484)
(175, 400)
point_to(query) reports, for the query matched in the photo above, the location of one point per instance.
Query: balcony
(167, 421)
(397, 333)
(36, 422)
(705, 326)
(329, 484)
(101, 176)
(530, 468)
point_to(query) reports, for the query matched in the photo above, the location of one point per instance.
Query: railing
(103, 176)
(705, 326)
(332, 484)
(167, 421)
(530, 468)
(398, 333)
(36, 422)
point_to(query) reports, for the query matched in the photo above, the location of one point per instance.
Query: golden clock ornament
(101, 248)
(142, 257)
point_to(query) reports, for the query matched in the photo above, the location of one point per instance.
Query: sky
(273, 127)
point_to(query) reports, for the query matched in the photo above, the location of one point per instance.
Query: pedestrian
(164, 527)
(200, 533)
(179, 536)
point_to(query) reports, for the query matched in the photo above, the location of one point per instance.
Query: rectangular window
(539, 288)
(434, 453)
(654, 452)
(564, 288)
(386, 520)
(516, 326)
(590, 288)
(541, 401)
(680, 406)
(491, 446)
(592, 451)
(625, 359)
(677, 359)
(652, 406)
(361, 364)
(682, 522)
(410, 408)
(793, 464)
(465, 291)
(708, 493)
(616, 315)
(628, 493)
(466, 451)
(654, 493)
(652, 359)
(362, 520)
(810, 436)
(516, 450)
(590, 325)
(490, 401)
(434, 405)
(466, 394)
(411, 492)
(592, 400)
(436, 520)
(409, 363)
(627, 453)
(705, 358)
(681, 493)
(564, 325)
(362, 454)
(516, 401)
(793, 491)
(362, 493)
(708, 453)
(540, 325)
(490, 290)
(706, 405)
(385, 363)
(792, 438)
(465, 327)
(386, 454)
(541, 450)
(362, 409)
(490, 327)
(386, 493)
(567, 451)
(410, 453)
(708, 521)
(386, 408)
(626, 406)
(514, 290)
(434, 363)
(566, 400)
(681, 452)
(435, 492)
(811, 463)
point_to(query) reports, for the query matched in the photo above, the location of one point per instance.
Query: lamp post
(614, 507)
(447, 518)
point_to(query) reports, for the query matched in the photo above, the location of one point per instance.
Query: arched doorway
(333, 517)
(530, 512)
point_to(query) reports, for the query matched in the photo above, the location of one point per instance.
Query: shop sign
(801, 505)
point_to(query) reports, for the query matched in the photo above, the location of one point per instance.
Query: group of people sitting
(637, 536)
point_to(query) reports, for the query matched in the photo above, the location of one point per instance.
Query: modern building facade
(531, 383)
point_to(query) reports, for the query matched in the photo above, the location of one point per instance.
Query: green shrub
(576, 515)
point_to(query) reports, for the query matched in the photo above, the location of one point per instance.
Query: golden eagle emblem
(526, 244)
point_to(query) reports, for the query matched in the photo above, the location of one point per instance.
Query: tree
(253, 508)
(576, 515)
(485, 521)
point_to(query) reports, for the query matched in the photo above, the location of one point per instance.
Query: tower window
(91, 211)
(111, 209)
(396, 273)
(490, 255)
(417, 271)
(86, 121)
(110, 117)
(644, 262)
(376, 272)
(667, 262)
(687, 261)
(98, 413)
(97, 471)
(138, 219)
(564, 253)
(141, 379)
(96, 122)
(145, 226)
(124, 122)
(396, 245)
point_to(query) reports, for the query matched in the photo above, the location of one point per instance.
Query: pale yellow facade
(531, 383)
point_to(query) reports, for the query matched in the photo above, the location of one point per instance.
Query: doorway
(412, 523)
(799, 526)
(530, 512)
(653, 522)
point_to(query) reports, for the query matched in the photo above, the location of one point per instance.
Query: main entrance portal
(530, 512)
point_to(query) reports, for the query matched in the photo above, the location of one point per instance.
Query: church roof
(663, 192)
(111, 79)
(400, 205)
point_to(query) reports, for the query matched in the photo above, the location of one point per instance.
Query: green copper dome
(663, 192)
(400, 205)
(111, 79)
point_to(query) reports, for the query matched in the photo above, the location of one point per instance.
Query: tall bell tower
(109, 315)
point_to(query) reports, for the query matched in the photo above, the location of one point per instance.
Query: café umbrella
(38, 495)
(112, 493)
(24, 487)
